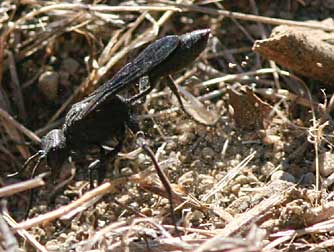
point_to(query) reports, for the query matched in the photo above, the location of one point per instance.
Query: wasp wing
(146, 61)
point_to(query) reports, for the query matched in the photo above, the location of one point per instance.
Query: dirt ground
(258, 179)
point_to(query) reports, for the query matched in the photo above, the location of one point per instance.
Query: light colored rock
(282, 175)
(326, 163)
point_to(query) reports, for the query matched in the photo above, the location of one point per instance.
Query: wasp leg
(106, 157)
(100, 165)
(162, 176)
(133, 124)
(92, 167)
(145, 87)
(171, 84)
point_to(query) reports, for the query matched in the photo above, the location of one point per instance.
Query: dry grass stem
(21, 186)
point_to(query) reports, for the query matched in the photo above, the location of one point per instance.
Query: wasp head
(55, 149)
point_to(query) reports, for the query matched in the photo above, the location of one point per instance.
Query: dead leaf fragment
(250, 112)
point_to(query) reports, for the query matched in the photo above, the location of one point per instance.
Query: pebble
(219, 165)
(208, 153)
(326, 163)
(142, 159)
(267, 168)
(48, 84)
(186, 138)
(171, 145)
(70, 65)
(241, 179)
(196, 164)
(328, 181)
(64, 78)
(147, 211)
(282, 175)
(235, 189)
(52, 245)
(308, 179)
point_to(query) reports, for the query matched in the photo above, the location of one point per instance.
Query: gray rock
(208, 153)
(308, 179)
(282, 175)
(48, 84)
(70, 65)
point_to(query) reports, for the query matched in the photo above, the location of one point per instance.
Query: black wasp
(104, 114)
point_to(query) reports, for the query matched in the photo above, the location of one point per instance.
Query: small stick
(23, 233)
(4, 114)
(50, 216)
(22, 186)
(247, 17)
(8, 241)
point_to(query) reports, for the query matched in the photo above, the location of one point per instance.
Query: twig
(19, 126)
(249, 17)
(50, 216)
(21, 186)
(16, 86)
(8, 240)
(321, 227)
(24, 233)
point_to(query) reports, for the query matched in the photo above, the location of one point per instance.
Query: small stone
(62, 200)
(219, 165)
(186, 138)
(64, 78)
(52, 246)
(196, 217)
(48, 84)
(235, 188)
(308, 179)
(62, 237)
(267, 168)
(241, 179)
(282, 175)
(196, 164)
(208, 153)
(70, 65)
(171, 145)
(142, 159)
(147, 211)
(326, 163)
(271, 139)
(328, 181)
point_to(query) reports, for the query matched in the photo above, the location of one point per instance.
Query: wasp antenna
(26, 164)
(41, 157)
